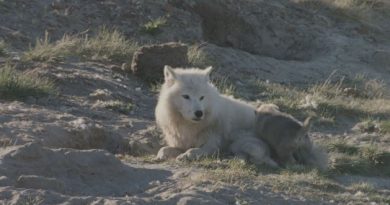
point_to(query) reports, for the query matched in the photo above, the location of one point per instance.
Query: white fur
(175, 114)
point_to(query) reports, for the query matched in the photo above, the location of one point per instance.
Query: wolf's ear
(169, 74)
(208, 71)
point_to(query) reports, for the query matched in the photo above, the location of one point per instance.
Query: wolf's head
(189, 92)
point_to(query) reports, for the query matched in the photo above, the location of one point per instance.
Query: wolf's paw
(166, 153)
(191, 154)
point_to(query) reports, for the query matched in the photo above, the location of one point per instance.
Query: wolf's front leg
(212, 146)
(167, 153)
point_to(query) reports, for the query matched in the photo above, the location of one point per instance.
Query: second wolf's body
(287, 138)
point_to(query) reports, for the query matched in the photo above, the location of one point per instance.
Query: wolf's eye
(201, 98)
(186, 97)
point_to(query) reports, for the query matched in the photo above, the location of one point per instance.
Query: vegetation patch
(368, 160)
(153, 27)
(106, 45)
(16, 85)
(385, 126)
(197, 57)
(3, 48)
(335, 98)
(115, 105)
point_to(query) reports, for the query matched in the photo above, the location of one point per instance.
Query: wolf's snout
(198, 114)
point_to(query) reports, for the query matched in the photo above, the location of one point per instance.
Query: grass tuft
(115, 105)
(3, 48)
(364, 160)
(153, 27)
(224, 86)
(362, 186)
(106, 45)
(15, 85)
(199, 58)
(385, 126)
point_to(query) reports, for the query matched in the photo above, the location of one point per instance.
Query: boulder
(149, 61)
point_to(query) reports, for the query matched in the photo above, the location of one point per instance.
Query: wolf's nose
(198, 113)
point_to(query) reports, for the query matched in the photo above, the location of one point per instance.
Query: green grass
(153, 27)
(106, 45)
(15, 85)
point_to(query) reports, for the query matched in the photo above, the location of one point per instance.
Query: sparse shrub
(359, 87)
(153, 27)
(362, 186)
(115, 105)
(19, 85)
(342, 146)
(106, 45)
(45, 51)
(367, 160)
(385, 126)
(3, 48)
(198, 58)
(224, 86)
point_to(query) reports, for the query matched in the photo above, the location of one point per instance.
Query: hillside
(77, 124)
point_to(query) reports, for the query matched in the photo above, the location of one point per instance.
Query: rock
(148, 62)
(258, 27)
(381, 58)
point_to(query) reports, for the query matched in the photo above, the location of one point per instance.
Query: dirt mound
(73, 172)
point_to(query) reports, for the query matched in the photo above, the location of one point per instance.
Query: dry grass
(368, 12)
(106, 45)
(115, 105)
(153, 27)
(354, 98)
(385, 126)
(20, 85)
(199, 58)
(110, 45)
(225, 86)
(3, 48)
(45, 51)
(293, 181)
(371, 160)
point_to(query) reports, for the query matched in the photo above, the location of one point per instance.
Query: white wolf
(196, 119)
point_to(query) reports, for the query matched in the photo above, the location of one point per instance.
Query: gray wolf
(287, 138)
(196, 120)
